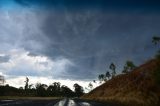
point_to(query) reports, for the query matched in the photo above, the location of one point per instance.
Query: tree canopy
(129, 66)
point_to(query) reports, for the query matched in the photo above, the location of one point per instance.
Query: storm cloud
(4, 59)
(80, 43)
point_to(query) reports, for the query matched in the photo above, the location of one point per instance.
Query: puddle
(72, 103)
(85, 104)
(61, 103)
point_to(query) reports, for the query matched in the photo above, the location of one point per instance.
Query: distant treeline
(42, 90)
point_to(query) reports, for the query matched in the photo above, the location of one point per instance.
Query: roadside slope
(138, 87)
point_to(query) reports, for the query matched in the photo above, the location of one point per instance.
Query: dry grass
(135, 88)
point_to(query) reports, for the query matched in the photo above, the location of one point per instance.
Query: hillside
(138, 87)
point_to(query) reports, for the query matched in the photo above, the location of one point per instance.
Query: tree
(108, 75)
(41, 89)
(113, 68)
(129, 66)
(155, 40)
(30, 86)
(26, 81)
(90, 85)
(67, 92)
(57, 88)
(101, 77)
(125, 69)
(78, 90)
(2, 80)
(51, 90)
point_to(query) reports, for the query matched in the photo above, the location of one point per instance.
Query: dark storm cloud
(94, 39)
(91, 38)
(22, 2)
(144, 5)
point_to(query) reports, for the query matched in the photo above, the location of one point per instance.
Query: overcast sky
(74, 39)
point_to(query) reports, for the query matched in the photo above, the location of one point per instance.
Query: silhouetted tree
(125, 70)
(90, 85)
(2, 80)
(113, 68)
(78, 90)
(108, 75)
(155, 40)
(26, 81)
(57, 88)
(21, 88)
(129, 66)
(66, 92)
(101, 77)
(51, 90)
(54, 90)
(30, 86)
(41, 89)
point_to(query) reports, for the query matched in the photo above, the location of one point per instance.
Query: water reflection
(61, 103)
(70, 102)
(85, 104)
(7, 100)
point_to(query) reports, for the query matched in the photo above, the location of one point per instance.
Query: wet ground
(63, 102)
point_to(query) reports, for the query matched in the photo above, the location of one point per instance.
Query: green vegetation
(26, 86)
(129, 66)
(107, 76)
(78, 90)
(113, 68)
(41, 90)
(90, 85)
(156, 41)
(101, 77)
